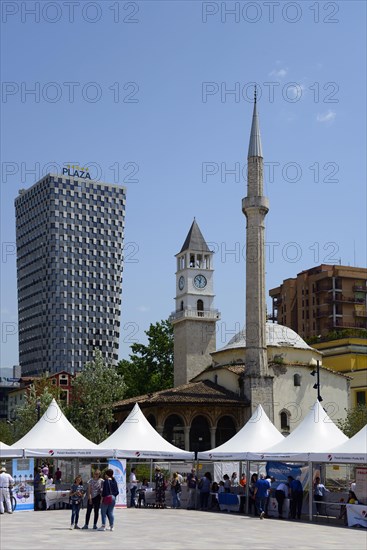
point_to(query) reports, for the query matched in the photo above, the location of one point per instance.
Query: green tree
(95, 390)
(6, 432)
(150, 367)
(40, 392)
(355, 420)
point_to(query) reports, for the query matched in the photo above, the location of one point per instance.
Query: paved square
(169, 529)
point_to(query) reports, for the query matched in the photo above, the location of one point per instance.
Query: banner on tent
(67, 453)
(119, 473)
(23, 490)
(361, 484)
(281, 471)
(357, 515)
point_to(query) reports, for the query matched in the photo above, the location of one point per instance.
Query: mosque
(217, 390)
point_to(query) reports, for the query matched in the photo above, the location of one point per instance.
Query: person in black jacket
(109, 494)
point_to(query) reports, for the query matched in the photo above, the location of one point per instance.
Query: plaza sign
(76, 172)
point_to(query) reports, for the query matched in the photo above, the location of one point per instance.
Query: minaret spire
(255, 149)
(255, 207)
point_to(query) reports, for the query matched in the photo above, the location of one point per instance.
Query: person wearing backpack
(176, 491)
(192, 482)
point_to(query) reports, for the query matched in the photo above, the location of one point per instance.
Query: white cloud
(279, 73)
(329, 116)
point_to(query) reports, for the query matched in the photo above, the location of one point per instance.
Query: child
(141, 493)
(214, 495)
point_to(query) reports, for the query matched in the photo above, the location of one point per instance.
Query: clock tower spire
(194, 320)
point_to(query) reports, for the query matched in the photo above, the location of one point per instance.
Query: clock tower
(194, 321)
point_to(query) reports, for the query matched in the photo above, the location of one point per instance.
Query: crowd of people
(101, 496)
(202, 493)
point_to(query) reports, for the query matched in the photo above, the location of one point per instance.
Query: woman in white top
(94, 492)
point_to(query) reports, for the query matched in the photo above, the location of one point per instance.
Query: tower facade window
(181, 263)
(284, 421)
(200, 308)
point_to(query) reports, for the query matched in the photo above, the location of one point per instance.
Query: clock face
(181, 282)
(200, 281)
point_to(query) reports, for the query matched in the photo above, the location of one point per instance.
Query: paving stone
(153, 529)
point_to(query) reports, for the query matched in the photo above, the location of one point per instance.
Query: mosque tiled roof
(203, 391)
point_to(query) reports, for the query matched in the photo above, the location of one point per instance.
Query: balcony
(342, 323)
(194, 315)
(272, 318)
(323, 313)
(360, 313)
(360, 288)
(347, 299)
(323, 288)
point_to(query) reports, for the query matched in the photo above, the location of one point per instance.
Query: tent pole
(310, 489)
(247, 485)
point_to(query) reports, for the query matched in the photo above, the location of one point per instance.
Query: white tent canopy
(136, 438)
(53, 435)
(256, 435)
(316, 433)
(354, 450)
(7, 452)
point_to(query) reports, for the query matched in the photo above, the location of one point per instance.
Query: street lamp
(38, 407)
(316, 386)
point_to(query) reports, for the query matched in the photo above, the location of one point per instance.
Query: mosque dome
(276, 336)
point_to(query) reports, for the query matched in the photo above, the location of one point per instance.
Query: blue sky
(145, 88)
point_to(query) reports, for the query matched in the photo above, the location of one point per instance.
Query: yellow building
(348, 356)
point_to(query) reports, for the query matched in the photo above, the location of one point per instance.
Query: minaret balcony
(193, 314)
(259, 202)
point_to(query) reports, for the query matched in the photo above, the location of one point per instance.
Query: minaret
(255, 207)
(194, 321)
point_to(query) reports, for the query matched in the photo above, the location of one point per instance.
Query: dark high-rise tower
(69, 233)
